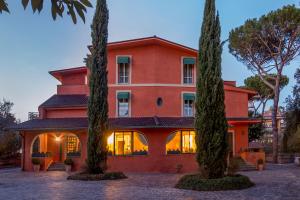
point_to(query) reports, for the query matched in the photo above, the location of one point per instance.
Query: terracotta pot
(260, 167)
(68, 168)
(36, 168)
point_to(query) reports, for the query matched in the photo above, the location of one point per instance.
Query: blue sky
(33, 44)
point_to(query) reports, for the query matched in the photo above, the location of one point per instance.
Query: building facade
(152, 84)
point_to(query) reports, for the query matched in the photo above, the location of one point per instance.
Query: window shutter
(122, 60)
(188, 96)
(123, 95)
(189, 61)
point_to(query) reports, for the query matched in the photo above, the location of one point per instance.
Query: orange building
(151, 107)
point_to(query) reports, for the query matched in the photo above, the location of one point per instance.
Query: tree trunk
(274, 120)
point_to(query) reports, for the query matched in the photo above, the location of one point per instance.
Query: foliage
(35, 161)
(98, 105)
(197, 182)
(10, 142)
(68, 161)
(255, 131)
(41, 154)
(97, 177)
(233, 166)
(210, 121)
(266, 46)
(292, 117)
(74, 7)
(264, 93)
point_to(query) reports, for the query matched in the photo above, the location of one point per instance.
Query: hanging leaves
(75, 8)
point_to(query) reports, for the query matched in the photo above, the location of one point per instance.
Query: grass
(84, 176)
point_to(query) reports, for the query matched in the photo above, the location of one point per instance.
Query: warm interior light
(57, 139)
(110, 139)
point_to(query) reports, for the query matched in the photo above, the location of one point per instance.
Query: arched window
(72, 145)
(181, 142)
(127, 143)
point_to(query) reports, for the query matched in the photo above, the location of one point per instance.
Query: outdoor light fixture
(57, 139)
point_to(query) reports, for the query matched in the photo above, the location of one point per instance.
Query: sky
(33, 44)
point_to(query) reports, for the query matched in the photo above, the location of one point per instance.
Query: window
(188, 70)
(127, 143)
(181, 142)
(188, 105)
(123, 104)
(72, 144)
(123, 70)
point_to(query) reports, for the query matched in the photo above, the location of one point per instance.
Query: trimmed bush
(35, 161)
(84, 176)
(196, 182)
(68, 161)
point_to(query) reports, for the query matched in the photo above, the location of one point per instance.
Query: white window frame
(182, 103)
(117, 103)
(117, 70)
(194, 72)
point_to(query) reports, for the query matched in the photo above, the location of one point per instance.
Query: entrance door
(230, 140)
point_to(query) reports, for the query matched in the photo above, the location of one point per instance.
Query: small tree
(210, 120)
(292, 114)
(264, 93)
(267, 45)
(98, 105)
(73, 7)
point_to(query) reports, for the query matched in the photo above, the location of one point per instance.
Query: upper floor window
(123, 70)
(123, 104)
(188, 105)
(188, 70)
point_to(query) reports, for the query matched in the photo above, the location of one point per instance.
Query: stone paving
(278, 182)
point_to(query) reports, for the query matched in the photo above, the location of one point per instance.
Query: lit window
(188, 70)
(181, 142)
(127, 143)
(72, 144)
(188, 105)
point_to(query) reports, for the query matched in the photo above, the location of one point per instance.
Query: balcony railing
(33, 115)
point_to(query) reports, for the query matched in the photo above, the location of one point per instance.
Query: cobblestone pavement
(278, 182)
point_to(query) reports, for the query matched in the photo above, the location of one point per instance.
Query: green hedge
(196, 182)
(97, 177)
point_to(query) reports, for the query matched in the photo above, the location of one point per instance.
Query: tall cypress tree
(98, 105)
(210, 121)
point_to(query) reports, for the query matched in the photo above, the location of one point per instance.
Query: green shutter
(123, 60)
(189, 61)
(123, 95)
(188, 96)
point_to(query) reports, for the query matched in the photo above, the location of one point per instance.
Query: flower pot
(36, 168)
(297, 161)
(68, 168)
(260, 167)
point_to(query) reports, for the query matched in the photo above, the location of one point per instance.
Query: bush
(35, 161)
(68, 161)
(84, 176)
(196, 182)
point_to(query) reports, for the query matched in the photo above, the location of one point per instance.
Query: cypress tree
(98, 105)
(210, 121)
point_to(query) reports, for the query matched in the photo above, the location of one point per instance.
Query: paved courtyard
(280, 182)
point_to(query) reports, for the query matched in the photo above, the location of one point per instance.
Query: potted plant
(68, 164)
(260, 164)
(36, 164)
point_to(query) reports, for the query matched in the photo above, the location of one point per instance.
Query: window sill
(180, 154)
(127, 155)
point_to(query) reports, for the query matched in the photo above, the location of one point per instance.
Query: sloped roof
(57, 101)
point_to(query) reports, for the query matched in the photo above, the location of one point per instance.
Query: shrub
(68, 161)
(260, 161)
(74, 154)
(84, 176)
(35, 161)
(197, 182)
(233, 166)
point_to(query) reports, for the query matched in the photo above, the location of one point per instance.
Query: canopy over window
(188, 96)
(123, 95)
(123, 59)
(189, 61)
